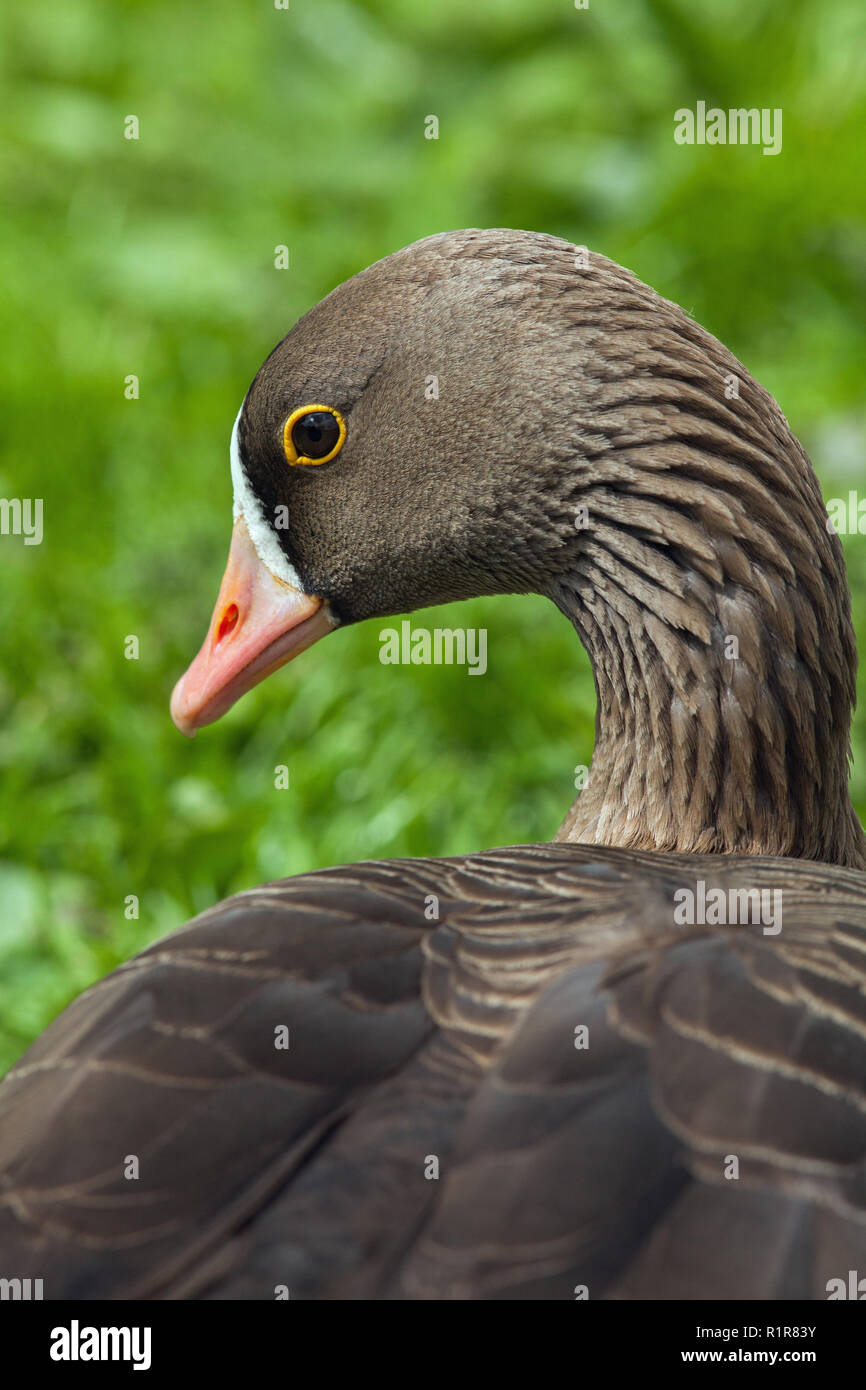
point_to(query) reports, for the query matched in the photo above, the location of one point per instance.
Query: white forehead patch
(262, 534)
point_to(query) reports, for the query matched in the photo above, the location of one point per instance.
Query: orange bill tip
(259, 623)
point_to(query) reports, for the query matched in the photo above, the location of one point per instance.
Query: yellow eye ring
(297, 450)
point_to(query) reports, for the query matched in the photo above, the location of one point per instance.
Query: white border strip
(262, 534)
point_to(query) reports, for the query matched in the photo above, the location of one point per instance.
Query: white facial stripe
(262, 534)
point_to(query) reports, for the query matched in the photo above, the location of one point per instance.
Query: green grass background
(306, 127)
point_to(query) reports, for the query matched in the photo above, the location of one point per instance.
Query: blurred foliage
(260, 127)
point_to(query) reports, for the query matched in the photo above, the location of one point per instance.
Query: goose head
(491, 412)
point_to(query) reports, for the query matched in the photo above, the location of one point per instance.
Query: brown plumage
(586, 1069)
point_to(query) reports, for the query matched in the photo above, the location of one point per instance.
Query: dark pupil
(316, 434)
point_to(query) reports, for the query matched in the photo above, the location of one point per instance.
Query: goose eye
(313, 434)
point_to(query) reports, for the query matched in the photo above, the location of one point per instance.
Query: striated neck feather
(713, 604)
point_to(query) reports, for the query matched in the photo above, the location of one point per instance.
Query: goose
(626, 1064)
